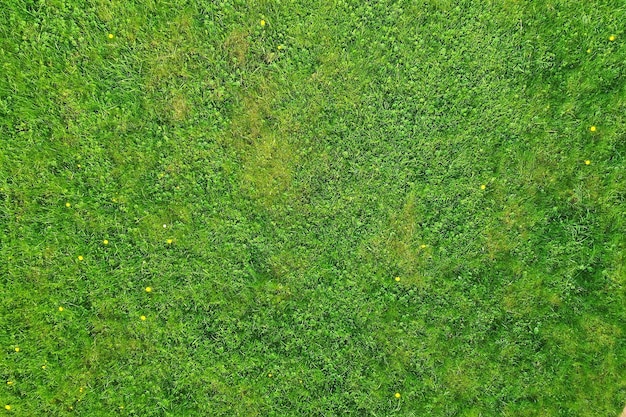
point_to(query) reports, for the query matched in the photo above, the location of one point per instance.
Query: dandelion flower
(482, 187)
(43, 366)
(589, 50)
(9, 382)
(61, 308)
(7, 407)
(106, 242)
(397, 395)
(593, 128)
(169, 241)
(143, 318)
(587, 162)
(111, 36)
(148, 289)
(269, 375)
(80, 257)
(423, 246)
(17, 349)
(280, 47)
(612, 38)
(262, 22)
(68, 204)
(397, 279)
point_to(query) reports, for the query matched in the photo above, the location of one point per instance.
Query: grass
(271, 182)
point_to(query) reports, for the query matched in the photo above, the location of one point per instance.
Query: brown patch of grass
(180, 107)
(401, 245)
(527, 295)
(599, 332)
(269, 155)
(236, 46)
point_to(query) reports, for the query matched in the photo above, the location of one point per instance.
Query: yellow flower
(80, 257)
(423, 246)
(81, 389)
(280, 47)
(587, 162)
(482, 187)
(143, 318)
(43, 366)
(612, 38)
(17, 349)
(593, 128)
(68, 204)
(111, 36)
(9, 382)
(169, 241)
(106, 242)
(148, 289)
(589, 50)
(61, 309)
(269, 375)
(397, 279)
(7, 407)
(397, 395)
(262, 22)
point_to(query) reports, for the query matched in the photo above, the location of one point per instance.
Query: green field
(313, 208)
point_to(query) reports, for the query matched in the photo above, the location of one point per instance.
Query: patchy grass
(349, 201)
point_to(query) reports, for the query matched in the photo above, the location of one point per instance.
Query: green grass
(298, 168)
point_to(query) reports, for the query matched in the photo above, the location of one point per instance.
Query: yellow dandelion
(589, 50)
(43, 366)
(482, 187)
(148, 289)
(81, 389)
(68, 204)
(106, 242)
(269, 375)
(111, 36)
(262, 22)
(143, 318)
(80, 257)
(397, 395)
(9, 382)
(61, 308)
(587, 162)
(17, 349)
(397, 279)
(280, 47)
(78, 166)
(423, 246)
(593, 128)
(612, 38)
(169, 241)
(7, 407)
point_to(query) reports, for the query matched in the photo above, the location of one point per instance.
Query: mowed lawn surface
(366, 208)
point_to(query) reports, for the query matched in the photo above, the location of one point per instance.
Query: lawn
(312, 208)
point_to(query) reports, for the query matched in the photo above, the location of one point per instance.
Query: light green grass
(300, 167)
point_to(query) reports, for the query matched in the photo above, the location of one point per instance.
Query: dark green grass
(299, 168)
